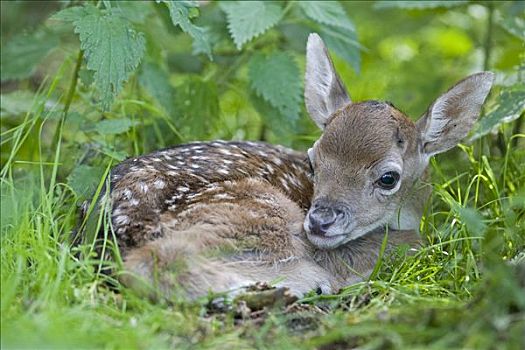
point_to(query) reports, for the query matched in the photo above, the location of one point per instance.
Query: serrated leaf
(510, 105)
(135, 11)
(157, 84)
(344, 44)
(181, 12)
(84, 178)
(23, 52)
(114, 126)
(248, 19)
(514, 25)
(417, 5)
(112, 48)
(327, 12)
(198, 107)
(277, 79)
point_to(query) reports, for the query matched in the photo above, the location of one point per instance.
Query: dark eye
(388, 180)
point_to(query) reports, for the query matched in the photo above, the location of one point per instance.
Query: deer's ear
(451, 116)
(324, 93)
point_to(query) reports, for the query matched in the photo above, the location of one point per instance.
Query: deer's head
(370, 154)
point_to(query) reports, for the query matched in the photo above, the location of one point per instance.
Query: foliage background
(85, 84)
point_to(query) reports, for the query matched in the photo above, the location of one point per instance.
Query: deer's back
(146, 188)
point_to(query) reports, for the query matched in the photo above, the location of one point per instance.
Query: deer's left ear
(451, 116)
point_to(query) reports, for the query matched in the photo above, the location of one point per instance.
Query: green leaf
(248, 19)
(417, 5)
(471, 218)
(16, 103)
(158, 86)
(135, 11)
(112, 48)
(114, 126)
(180, 13)
(344, 44)
(198, 107)
(277, 79)
(23, 52)
(84, 178)
(328, 13)
(510, 105)
(514, 25)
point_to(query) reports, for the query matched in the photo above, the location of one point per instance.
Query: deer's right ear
(324, 92)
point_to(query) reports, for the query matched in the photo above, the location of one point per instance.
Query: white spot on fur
(182, 189)
(285, 184)
(122, 220)
(143, 187)
(225, 151)
(159, 184)
(224, 171)
(211, 187)
(134, 202)
(127, 193)
(195, 166)
(223, 196)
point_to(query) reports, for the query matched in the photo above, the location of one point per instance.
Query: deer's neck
(356, 259)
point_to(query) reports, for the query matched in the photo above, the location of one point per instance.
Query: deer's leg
(240, 233)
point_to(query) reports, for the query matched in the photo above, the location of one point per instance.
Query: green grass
(459, 291)
(464, 289)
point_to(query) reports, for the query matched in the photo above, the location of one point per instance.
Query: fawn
(223, 215)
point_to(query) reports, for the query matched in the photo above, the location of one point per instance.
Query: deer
(220, 216)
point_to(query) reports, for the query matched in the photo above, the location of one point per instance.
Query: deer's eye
(388, 180)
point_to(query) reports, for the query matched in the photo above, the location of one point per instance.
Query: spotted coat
(173, 180)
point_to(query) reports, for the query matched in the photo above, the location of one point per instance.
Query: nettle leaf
(418, 5)
(327, 12)
(514, 25)
(114, 126)
(158, 86)
(344, 44)
(112, 48)
(84, 179)
(277, 79)
(510, 105)
(135, 11)
(248, 19)
(180, 13)
(23, 52)
(198, 107)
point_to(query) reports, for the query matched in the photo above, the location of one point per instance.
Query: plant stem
(488, 37)
(60, 126)
(487, 49)
(69, 99)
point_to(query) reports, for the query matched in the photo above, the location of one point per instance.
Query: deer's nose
(321, 218)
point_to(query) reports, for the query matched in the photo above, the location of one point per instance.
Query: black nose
(321, 219)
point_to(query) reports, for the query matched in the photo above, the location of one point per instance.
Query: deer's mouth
(326, 242)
